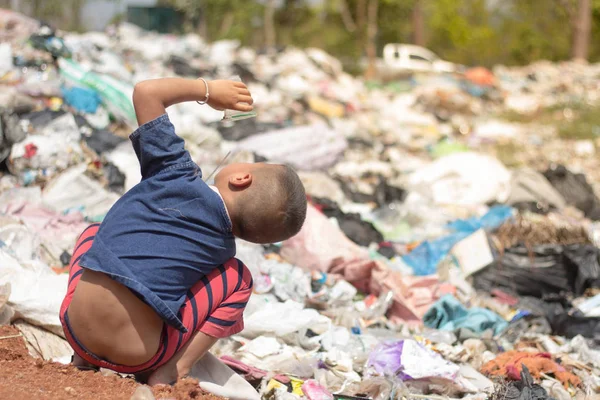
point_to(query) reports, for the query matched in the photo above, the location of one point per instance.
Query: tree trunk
(36, 8)
(372, 38)
(226, 24)
(270, 24)
(346, 16)
(361, 12)
(202, 20)
(76, 15)
(582, 30)
(417, 24)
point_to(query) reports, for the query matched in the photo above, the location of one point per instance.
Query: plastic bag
(449, 314)
(425, 258)
(283, 318)
(36, 291)
(575, 189)
(217, 378)
(542, 270)
(115, 95)
(53, 148)
(84, 100)
(314, 391)
(319, 243)
(463, 179)
(73, 190)
(309, 147)
(409, 360)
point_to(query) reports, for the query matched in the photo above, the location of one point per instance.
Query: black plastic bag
(569, 326)
(52, 44)
(538, 273)
(575, 189)
(584, 259)
(563, 319)
(42, 118)
(10, 133)
(360, 232)
(103, 141)
(543, 271)
(115, 178)
(383, 192)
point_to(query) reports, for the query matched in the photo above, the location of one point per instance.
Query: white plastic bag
(463, 179)
(36, 291)
(283, 318)
(217, 378)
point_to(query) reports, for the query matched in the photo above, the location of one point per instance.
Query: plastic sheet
(409, 360)
(310, 147)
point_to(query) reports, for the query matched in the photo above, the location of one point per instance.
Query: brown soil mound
(23, 377)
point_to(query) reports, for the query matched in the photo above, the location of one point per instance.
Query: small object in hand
(234, 115)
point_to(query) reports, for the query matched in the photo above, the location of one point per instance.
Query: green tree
(472, 32)
(461, 30)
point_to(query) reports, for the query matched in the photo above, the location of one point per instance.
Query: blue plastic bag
(425, 258)
(81, 99)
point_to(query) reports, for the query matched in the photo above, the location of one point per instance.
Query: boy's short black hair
(273, 208)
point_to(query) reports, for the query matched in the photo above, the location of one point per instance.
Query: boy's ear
(240, 180)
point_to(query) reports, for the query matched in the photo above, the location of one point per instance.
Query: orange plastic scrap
(481, 76)
(509, 364)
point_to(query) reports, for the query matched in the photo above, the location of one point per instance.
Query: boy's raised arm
(152, 97)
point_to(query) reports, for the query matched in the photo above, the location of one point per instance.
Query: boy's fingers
(243, 107)
(245, 99)
(239, 85)
(244, 91)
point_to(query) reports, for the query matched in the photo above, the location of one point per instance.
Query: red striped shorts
(214, 306)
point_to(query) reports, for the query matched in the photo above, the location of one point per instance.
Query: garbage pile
(426, 268)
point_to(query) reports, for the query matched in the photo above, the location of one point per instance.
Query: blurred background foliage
(470, 32)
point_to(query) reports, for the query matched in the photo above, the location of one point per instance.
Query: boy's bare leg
(183, 361)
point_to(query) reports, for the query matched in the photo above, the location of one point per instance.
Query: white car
(401, 59)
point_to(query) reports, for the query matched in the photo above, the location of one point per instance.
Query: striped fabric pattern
(214, 306)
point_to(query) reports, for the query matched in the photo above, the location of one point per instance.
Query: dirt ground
(23, 378)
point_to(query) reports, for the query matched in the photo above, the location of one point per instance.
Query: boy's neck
(216, 190)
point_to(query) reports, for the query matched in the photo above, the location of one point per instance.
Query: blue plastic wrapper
(425, 258)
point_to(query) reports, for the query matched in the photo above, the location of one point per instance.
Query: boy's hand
(229, 95)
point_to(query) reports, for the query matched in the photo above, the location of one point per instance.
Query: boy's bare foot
(166, 375)
(183, 361)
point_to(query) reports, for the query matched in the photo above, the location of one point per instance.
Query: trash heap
(426, 269)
